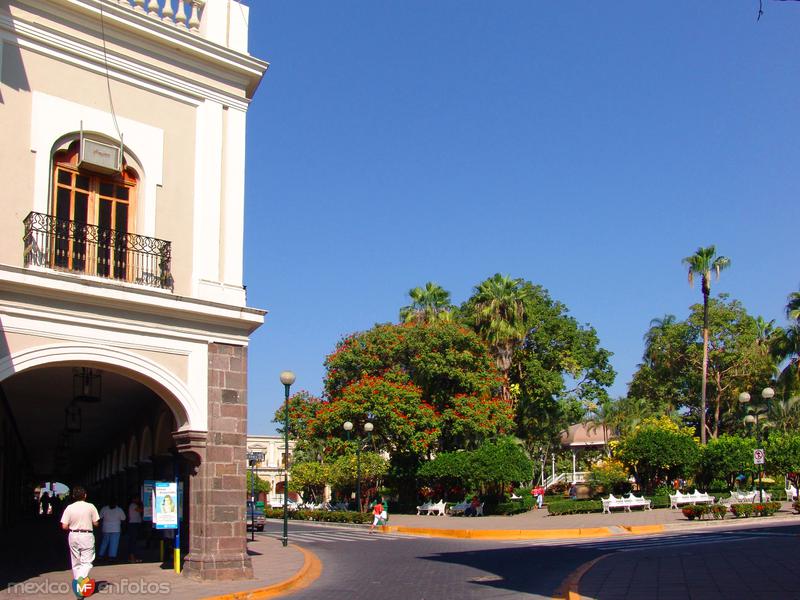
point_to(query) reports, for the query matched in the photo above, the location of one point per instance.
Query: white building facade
(124, 322)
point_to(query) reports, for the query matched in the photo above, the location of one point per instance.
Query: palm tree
(602, 415)
(786, 347)
(498, 307)
(702, 263)
(793, 307)
(428, 304)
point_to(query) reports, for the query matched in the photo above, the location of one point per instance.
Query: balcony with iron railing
(86, 249)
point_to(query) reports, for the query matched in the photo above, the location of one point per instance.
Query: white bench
(791, 493)
(430, 508)
(458, 508)
(696, 497)
(461, 508)
(631, 501)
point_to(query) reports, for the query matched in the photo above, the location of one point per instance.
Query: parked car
(254, 517)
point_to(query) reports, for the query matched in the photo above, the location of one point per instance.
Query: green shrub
(660, 502)
(571, 507)
(695, 511)
(510, 508)
(718, 511)
(331, 516)
(757, 509)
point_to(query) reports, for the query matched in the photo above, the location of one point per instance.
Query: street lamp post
(287, 379)
(368, 427)
(752, 422)
(252, 498)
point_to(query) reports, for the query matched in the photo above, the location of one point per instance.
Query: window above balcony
(89, 228)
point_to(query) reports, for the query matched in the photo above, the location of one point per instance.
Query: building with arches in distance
(124, 323)
(273, 468)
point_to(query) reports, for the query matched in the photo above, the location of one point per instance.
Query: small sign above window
(99, 156)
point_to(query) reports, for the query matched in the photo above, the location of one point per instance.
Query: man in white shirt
(112, 516)
(79, 519)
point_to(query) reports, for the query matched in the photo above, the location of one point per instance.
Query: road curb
(309, 572)
(568, 590)
(501, 534)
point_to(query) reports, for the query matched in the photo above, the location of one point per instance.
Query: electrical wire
(108, 76)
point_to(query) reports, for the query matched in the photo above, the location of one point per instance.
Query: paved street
(359, 565)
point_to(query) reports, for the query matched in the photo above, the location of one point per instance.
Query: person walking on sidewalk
(79, 519)
(135, 512)
(538, 494)
(377, 515)
(112, 516)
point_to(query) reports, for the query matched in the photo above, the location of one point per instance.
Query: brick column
(217, 535)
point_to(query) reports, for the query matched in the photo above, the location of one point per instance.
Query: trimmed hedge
(572, 507)
(755, 509)
(330, 516)
(697, 511)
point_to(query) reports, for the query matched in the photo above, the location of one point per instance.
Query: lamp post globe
(348, 426)
(750, 420)
(767, 393)
(287, 379)
(368, 427)
(744, 398)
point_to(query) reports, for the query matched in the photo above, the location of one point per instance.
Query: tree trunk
(705, 370)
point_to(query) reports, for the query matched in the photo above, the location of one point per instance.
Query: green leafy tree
(785, 347)
(725, 457)
(658, 452)
(426, 386)
(428, 304)
(344, 471)
(735, 356)
(311, 478)
(782, 453)
(492, 467)
(260, 484)
(702, 263)
(558, 372)
(497, 312)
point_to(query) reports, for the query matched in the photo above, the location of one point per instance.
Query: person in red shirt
(377, 515)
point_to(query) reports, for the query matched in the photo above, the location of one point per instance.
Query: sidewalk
(537, 524)
(38, 570)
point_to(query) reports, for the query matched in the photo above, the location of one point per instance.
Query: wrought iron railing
(80, 247)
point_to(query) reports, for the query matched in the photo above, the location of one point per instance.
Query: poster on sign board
(147, 499)
(165, 505)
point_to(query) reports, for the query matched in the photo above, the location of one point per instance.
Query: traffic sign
(758, 456)
(255, 457)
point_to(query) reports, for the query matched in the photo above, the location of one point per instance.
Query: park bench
(696, 497)
(461, 507)
(431, 508)
(626, 503)
(737, 497)
(791, 493)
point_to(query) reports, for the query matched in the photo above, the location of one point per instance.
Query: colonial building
(124, 323)
(273, 468)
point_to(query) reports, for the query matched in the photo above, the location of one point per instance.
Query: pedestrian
(385, 513)
(377, 512)
(112, 516)
(573, 491)
(79, 519)
(44, 504)
(135, 514)
(472, 509)
(538, 494)
(57, 504)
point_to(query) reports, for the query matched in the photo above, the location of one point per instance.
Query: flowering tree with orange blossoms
(426, 387)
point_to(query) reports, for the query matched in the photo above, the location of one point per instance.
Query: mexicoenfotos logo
(83, 587)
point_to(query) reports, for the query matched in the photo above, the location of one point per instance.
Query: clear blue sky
(584, 146)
